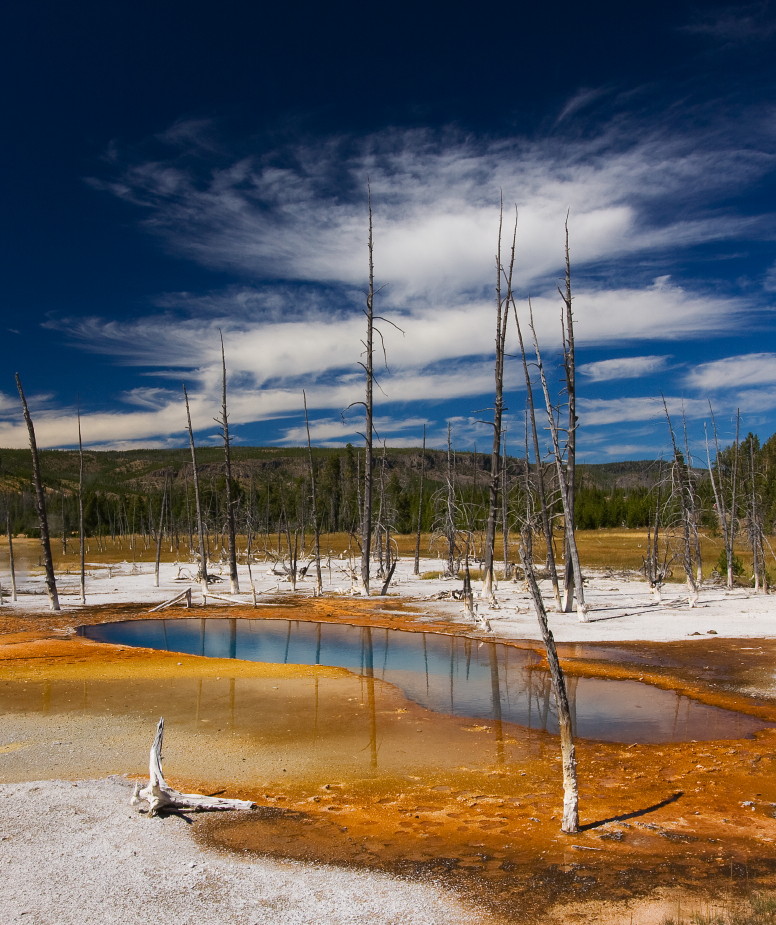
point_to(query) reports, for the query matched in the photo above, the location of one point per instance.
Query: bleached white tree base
(160, 797)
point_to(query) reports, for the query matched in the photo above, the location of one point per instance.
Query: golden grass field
(616, 549)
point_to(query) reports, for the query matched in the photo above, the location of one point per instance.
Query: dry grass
(617, 549)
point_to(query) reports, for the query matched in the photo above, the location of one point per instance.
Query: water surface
(447, 674)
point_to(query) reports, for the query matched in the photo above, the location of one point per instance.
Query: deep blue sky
(174, 169)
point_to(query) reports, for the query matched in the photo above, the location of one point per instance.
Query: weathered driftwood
(160, 797)
(175, 600)
(226, 600)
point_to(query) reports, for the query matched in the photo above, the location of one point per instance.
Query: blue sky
(172, 170)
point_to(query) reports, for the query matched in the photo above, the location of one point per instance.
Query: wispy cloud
(737, 24)
(598, 412)
(290, 226)
(624, 368)
(299, 214)
(736, 372)
(583, 98)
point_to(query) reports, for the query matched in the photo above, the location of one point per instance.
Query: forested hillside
(123, 490)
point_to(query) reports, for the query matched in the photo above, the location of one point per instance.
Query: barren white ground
(76, 854)
(622, 608)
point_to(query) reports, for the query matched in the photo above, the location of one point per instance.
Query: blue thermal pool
(447, 674)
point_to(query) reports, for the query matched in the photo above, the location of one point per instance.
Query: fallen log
(160, 797)
(174, 600)
(235, 601)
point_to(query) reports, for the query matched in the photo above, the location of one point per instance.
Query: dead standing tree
(684, 493)
(754, 515)
(234, 584)
(541, 489)
(445, 501)
(572, 574)
(314, 502)
(368, 404)
(202, 573)
(503, 300)
(570, 819)
(81, 536)
(40, 504)
(416, 569)
(160, 531)
(656, 564)
(724, 484)
(564, 480)
(11, 560)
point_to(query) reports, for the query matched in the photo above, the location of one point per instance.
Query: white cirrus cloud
(300, 214)
(630, 367)
(735, 372)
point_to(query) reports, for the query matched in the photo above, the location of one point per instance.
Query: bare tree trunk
(572, 554)
(569, 366)
(502, 314)
(755, 524)
(368, 366)
(726, 517)
(544, 505)
(293, 551)
(683, 490)
(314, 500)
(200, 528)
(160, 797)
(40, 504)
(159, 534)
(81, 537)
(570, 820)
(234, 583)
(693, 498)
(379, 526)
(11, 560)
(450, 525)
(416, 570)
(505, 507)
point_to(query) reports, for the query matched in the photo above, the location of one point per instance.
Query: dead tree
(656, 564)
(725, 494)
(684, 494)
(11, 560)
(368, 367)
(368, 404)
(202, 574)
(292, 570)
(234, 583)
(445, 524)
(572, 576)
(505, 507)
(570, 820)
(314, 502)
(416, 570)
(494, 486)
(40, 504)
(160, 532)
(542, 499)
(564, 483)
(696, 535)
(754, 520)
(81, 537)
(160, 797)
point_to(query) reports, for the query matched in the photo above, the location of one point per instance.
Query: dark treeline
(123, 490)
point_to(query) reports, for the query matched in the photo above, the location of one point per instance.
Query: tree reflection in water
(458, 675)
